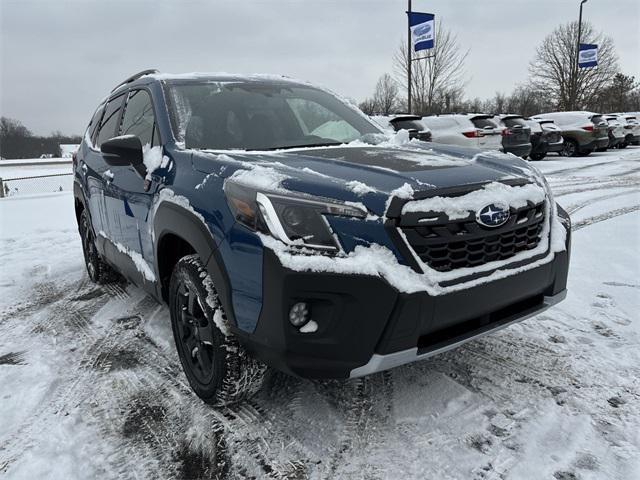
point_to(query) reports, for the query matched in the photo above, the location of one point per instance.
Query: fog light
(299, 314)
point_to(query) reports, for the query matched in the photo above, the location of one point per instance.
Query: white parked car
(631, 125)
(466, 130)
(616, 131)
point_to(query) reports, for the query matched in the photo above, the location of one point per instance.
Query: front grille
(446, 245)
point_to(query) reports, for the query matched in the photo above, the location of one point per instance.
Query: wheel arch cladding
(179, 232)
(78, 201)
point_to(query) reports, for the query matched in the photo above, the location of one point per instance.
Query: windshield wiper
(304, 145)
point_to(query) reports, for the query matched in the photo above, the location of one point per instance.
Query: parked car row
(566, 133)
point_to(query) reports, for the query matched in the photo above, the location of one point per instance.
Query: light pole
(574, 99)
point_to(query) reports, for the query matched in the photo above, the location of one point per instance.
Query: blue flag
(587, 55)
(423, 30)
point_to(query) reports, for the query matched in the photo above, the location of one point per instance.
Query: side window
(138, 118)
(93, 124)
(109, 120)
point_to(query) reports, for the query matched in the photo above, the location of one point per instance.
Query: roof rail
(135, 77)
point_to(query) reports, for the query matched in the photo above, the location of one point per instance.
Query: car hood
(371, 174)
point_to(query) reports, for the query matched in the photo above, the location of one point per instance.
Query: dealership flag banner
(423, 30)
(587, 55)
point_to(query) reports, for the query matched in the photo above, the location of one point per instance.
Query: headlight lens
(293, 220)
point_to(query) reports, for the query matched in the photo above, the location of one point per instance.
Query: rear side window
(93, 124)
(512, 122)
(139, 119)
(109, 120)
(597, 119)
(484, 122)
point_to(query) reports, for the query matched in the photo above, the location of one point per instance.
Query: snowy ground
(90, 386)
(36, 167)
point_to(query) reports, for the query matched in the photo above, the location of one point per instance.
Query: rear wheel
(218, 368)
(570, 148)
(538, 156)
(622, 145)
(98, 270)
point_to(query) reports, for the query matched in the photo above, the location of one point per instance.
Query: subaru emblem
(493, 215)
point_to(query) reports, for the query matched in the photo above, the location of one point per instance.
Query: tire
(98, 270)
(218, 368)
(622, 145)
(570, 148)
(538, 156)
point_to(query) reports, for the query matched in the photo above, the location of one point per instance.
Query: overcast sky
(59, 58)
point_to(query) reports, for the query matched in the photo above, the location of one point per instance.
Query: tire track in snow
(67, 317)
(573, 208)
(604, 216)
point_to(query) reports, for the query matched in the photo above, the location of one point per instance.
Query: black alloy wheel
(98, 270)
(195, 333)
(218, 368)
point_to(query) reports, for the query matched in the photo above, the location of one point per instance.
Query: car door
(98, 172)
(91, 166)
(133, 190)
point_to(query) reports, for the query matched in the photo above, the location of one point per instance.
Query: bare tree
(554, 70)
(385, 96)
(368, 106)
(437, 74)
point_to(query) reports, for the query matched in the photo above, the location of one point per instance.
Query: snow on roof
(227, 77)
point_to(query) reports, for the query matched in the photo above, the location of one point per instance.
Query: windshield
(250, 116)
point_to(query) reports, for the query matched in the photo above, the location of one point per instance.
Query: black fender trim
(173, 219)
(78, 194)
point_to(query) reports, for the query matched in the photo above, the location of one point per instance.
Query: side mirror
(122, 151)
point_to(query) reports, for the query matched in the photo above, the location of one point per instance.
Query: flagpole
(574, 99)
(409, 61)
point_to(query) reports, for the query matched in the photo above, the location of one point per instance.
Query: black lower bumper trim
(360, 316)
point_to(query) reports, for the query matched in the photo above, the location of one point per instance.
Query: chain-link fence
(59, 182)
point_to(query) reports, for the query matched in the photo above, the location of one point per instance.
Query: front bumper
(366, 325)
(378, 362)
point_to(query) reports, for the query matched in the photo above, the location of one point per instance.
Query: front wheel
(218, 368)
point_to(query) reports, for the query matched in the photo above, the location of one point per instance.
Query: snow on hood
(459, 207)
(364, 172)
(396, 167)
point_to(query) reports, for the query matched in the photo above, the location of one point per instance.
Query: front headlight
(295, 220)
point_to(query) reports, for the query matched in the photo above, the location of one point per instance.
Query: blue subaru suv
(283, 228)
